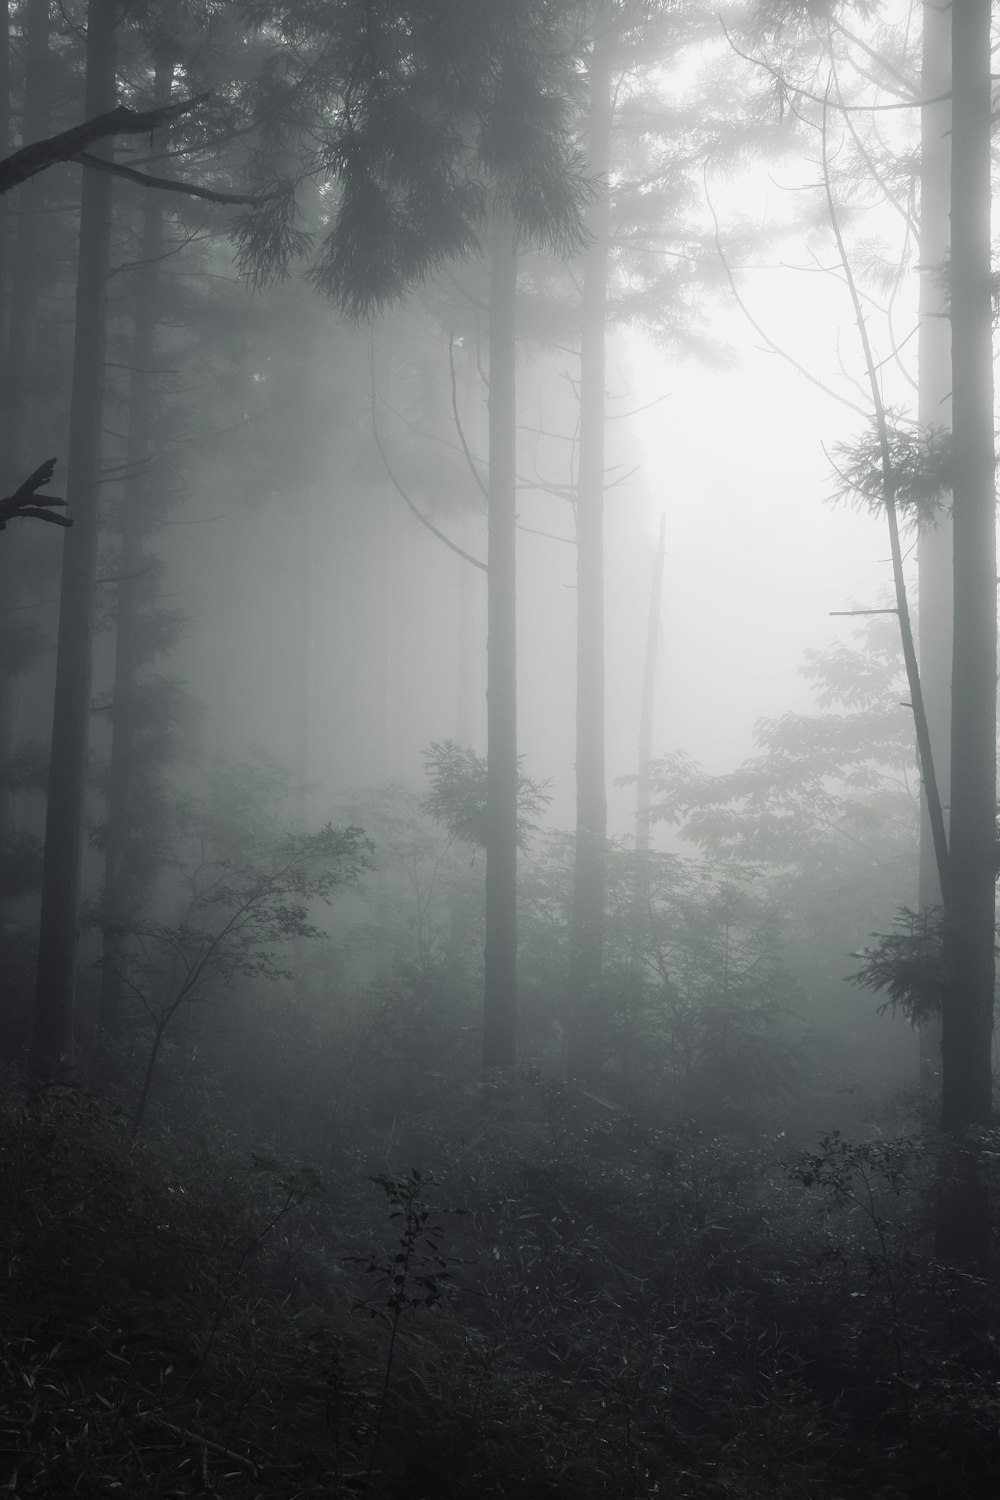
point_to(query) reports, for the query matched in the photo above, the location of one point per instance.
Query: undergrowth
(621, 1308)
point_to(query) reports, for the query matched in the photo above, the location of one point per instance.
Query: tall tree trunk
(469, 707)
(500, 1001)
(934, 549)
(304, 707)
(117, 898)
(52, 1048)
(642, 810)
(24, 288)
(967, 1030)
(25, 267)
(5, 150)
(587, 923)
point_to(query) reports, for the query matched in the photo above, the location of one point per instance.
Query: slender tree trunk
(118, 901)
(306, 659)
(500, 1004)
(589, 872)
(642, 810)
(52, 1050)
(967, 1031)
(934, 549)
(469, 707)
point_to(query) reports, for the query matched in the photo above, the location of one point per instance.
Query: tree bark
(24, 286)
(589, 869)
(52, 1049)
(934, 545)
(25, 278)
(500, 1000)
(967, 1022)
(117, 900)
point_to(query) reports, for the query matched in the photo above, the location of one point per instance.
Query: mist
(498, 749)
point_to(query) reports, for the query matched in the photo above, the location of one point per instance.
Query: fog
(498, 818)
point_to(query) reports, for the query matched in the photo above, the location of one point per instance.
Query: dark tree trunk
(52, 1049)
(587, 925)
(967, 1031)
(25, 267)
(500, 1001)
(5, 146)
(934, 550)
(22, 262)
(118, 902)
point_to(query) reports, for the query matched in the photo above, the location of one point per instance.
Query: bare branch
(26, 501)
(927, 769)
(40, 155)
(458, 420)
(774, 348)
(171, 184)
(400, 491)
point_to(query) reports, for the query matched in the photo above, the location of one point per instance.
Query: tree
(587, 919)
(970, 916)
(452, 134)
(241, 914)
(58, 928)
(934, 548)
(52, 1047)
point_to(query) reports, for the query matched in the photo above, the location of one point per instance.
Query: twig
(202, 1442)
(424, 521)
(458, 420)
(774, 348)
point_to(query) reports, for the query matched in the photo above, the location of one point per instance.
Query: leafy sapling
(417, 1275)
(241, 914)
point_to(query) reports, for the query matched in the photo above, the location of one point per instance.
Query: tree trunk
(587, 923)
(117, 902)
(5, 149)
(967, 1030)
(25, 278)
(52, 1049)
(24, 287)
(500, 1001)
(470, 704)
(642, 809)
(934, 550)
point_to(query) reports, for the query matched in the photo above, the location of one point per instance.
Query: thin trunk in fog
(643, 801)
(934, 551)
(52, 1047)
(589, 869)
(306, 658)
(500, 1000)
(970, 926)
(117, 903)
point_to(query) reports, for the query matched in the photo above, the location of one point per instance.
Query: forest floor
(545, 1299)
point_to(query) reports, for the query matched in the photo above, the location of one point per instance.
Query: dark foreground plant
(417, 1275)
